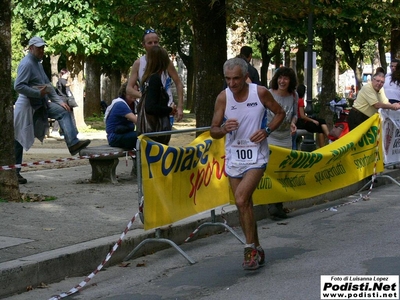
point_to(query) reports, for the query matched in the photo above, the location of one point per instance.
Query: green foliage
(316, 105)
(82, 28)
(18, 29)
(112, 30)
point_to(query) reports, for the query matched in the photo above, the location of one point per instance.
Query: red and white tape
(198, 227)
(99, 267)
(43, 162)
(88, 278)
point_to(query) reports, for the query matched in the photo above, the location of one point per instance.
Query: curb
(81, 259)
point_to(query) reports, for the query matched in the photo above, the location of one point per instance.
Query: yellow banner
(296, 175)
(179, 182)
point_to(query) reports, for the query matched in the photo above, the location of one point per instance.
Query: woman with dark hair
(120, 121)
(283, 89)
(392, 85)
(307, 123)
(156, 98)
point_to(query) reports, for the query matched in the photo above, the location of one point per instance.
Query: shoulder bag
(147, 123)
(336, 131)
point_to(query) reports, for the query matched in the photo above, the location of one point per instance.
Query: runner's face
(150, 40)
(235, 80)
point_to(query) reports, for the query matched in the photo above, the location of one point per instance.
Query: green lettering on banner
(369, 138)
(301, 160)
(340, 152)
(265, 184)
(292, 182)
(329, 173)
(363, 162)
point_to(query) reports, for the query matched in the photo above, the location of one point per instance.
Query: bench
(104, 161)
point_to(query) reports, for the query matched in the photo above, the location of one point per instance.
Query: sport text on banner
(296, 175)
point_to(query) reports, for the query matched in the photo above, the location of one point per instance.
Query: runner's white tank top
(241, 154)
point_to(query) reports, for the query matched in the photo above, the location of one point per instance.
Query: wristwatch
(268, 130)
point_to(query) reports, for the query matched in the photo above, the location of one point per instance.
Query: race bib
(244, 152)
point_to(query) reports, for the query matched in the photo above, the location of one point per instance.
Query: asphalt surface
(42, 242)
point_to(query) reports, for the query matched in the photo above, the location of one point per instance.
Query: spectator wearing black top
(246, 53)
(156, 99)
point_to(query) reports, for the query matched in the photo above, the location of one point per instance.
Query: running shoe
(261, 256)
(250, 259)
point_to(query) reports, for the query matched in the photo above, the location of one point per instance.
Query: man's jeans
(55, 111)
(65, 121)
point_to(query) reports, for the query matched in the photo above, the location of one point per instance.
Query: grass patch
(95, 123)
(27, 197)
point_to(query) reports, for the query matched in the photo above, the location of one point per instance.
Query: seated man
(37, 101)
(120, 121)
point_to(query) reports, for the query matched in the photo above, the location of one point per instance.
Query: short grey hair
(236, 61)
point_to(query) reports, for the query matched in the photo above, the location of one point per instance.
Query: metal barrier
(141, 202)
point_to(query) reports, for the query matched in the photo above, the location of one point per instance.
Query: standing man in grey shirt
(37, 101)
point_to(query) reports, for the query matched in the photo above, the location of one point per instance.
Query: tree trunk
(190, 88)
(75, 66)
(395, 35)
(105, 89)
(209, 29)
(328, 92)
(54, 68)
(382, 55)
(92, 91)
(287, 56)
(266, 56)
(301, 49)
(115, 83)
(353, 59)
(8, 179)
(78, 90)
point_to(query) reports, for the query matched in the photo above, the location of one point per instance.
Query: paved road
(358, 239)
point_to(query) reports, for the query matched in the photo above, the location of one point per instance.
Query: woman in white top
(392, 85)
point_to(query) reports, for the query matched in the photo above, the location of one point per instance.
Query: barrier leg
(213, 223)
(385, 176)
(159, 240)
